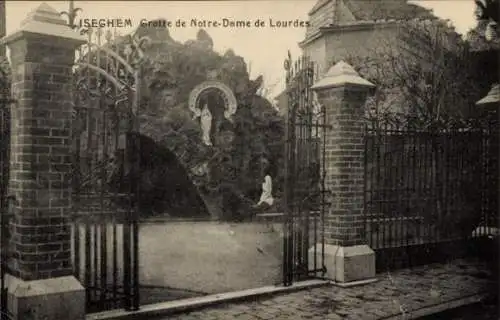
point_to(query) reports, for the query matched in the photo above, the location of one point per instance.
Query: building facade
(342, 28)
(361, 29)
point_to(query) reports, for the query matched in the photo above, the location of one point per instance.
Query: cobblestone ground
(479, 311)
(395, 294)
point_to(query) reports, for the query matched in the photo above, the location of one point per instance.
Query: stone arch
(227, 95)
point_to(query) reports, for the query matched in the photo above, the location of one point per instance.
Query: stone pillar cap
(45, 20)
(493, 96)
(339, 75)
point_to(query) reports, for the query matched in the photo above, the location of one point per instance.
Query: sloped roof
(318, 5)
(369, 10)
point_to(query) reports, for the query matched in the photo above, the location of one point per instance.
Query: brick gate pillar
(348, 258)
(40, 281)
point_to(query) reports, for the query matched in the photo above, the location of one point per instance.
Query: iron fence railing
(304, 196)
(426, 187)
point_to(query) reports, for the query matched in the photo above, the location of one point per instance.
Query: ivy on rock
(227, 175)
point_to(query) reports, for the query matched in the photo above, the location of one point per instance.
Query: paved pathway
(397, 295)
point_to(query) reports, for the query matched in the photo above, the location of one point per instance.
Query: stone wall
(356, 41)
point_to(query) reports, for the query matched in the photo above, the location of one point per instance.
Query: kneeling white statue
(266, 198)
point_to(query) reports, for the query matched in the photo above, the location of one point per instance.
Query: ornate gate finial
(288, 62)
(71, 14)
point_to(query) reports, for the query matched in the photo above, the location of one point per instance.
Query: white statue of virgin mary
(206, 124)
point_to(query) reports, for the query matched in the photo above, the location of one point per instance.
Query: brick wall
(344, 165)
(40, 158)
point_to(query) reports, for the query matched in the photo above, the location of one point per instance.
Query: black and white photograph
(249, 160)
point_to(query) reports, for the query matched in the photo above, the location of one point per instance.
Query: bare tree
(424, 78)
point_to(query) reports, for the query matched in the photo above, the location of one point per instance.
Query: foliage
(486, 48)
(487, 18)
(477, 39)
(487, 10)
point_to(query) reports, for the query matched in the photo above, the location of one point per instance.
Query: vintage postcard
(292, 159)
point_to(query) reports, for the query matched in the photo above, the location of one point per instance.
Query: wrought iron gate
(304, 196)
(106, 166)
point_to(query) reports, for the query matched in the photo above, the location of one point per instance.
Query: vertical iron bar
(403, 138)
(95, 257)
(389, 164)
(286, 198)
(292, 182)
(136, 164)
(88, 155)
(96, 198)
(365, 184)
(396, 188)
(302, 166)
(369, 184)
(427, 184)
(88, 236)
(299, 222)
(420, 187)
(323, 189)
(449, 138)
(305, 155)
(414, 169)
(407, 185)
(100, 126)
(439, 184)
(316, 152)
(104, 222)
(126, 227)
(378, 191)
(433, 187)
(296, 180)
(87, 261)
(484, 174)
(115, 218)
(386, 209)
(76, 196)
(420, 177)
(3, 210)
